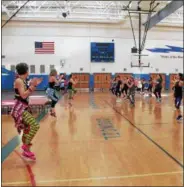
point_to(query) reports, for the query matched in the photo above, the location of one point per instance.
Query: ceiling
(86, 11)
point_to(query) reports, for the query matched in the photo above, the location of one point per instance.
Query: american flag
(44, 47)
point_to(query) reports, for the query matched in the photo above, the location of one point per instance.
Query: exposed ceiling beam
(15, 14)
(165, 12)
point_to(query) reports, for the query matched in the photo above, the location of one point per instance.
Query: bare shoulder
(18, 82)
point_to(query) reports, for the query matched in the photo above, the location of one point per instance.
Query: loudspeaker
(134, 50)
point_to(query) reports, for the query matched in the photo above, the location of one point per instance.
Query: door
(106, 80)
(97, 80)
(82, 80)
(102, 80)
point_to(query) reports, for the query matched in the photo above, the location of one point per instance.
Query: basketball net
(141, 67)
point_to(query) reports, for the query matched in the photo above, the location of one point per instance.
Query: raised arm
(20, 86)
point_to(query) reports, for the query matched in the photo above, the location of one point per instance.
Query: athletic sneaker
(53, 114)
(28, 156)
(158, 100)
(26, 148)
(179, 118)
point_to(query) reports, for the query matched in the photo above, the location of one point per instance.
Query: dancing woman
(158, 88)
(62, 83)
(118, 89)
(51, 91)
(132, 88)
(113, 86)
(20, 112)
(178, 94)
(125, 88)
(150, 86)
(71, 89)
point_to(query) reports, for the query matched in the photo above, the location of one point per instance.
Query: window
(3, 66)
(32, 68)
(51, 67)
(12, 68)
(42, 68)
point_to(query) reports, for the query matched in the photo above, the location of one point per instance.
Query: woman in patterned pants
(20, 112)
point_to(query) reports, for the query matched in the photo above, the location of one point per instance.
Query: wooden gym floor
(99, 142)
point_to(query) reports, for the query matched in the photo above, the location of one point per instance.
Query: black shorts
(178, 102)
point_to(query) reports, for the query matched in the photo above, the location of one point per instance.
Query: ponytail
(160, 77)
(181, 76)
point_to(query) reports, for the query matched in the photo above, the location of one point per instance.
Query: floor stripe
(160, 147)
(9, 147)
(14, 142)
(97, 178)
(29, 170)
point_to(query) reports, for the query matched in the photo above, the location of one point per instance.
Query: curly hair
(53, 72)
(22, 68)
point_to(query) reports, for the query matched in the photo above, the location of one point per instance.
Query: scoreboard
(102, 52)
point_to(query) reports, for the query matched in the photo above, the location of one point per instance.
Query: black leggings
(113, 90)
(54, 101)
(150, 88)
(124, 90)
(118, 92)
(143, 86)
(157, 93)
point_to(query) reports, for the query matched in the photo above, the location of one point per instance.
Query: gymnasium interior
(96, 140)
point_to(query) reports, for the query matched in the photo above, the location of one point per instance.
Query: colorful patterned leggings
(31, 127)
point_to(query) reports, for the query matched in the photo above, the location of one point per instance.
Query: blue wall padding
(7, 82)
(91, 82)
(8, 79)
(167, 82)
(4, 70)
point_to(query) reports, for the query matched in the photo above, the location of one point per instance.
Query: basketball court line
(141, 132)
(97, 178)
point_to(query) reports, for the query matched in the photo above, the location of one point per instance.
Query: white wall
(72, 43)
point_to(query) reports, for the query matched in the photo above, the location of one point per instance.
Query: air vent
(176, 70)
(124, 69)
(103, 69)
(81, 69)
(157, 69)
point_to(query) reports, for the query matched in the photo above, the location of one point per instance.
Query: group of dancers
(128, 86)
(24, 120)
